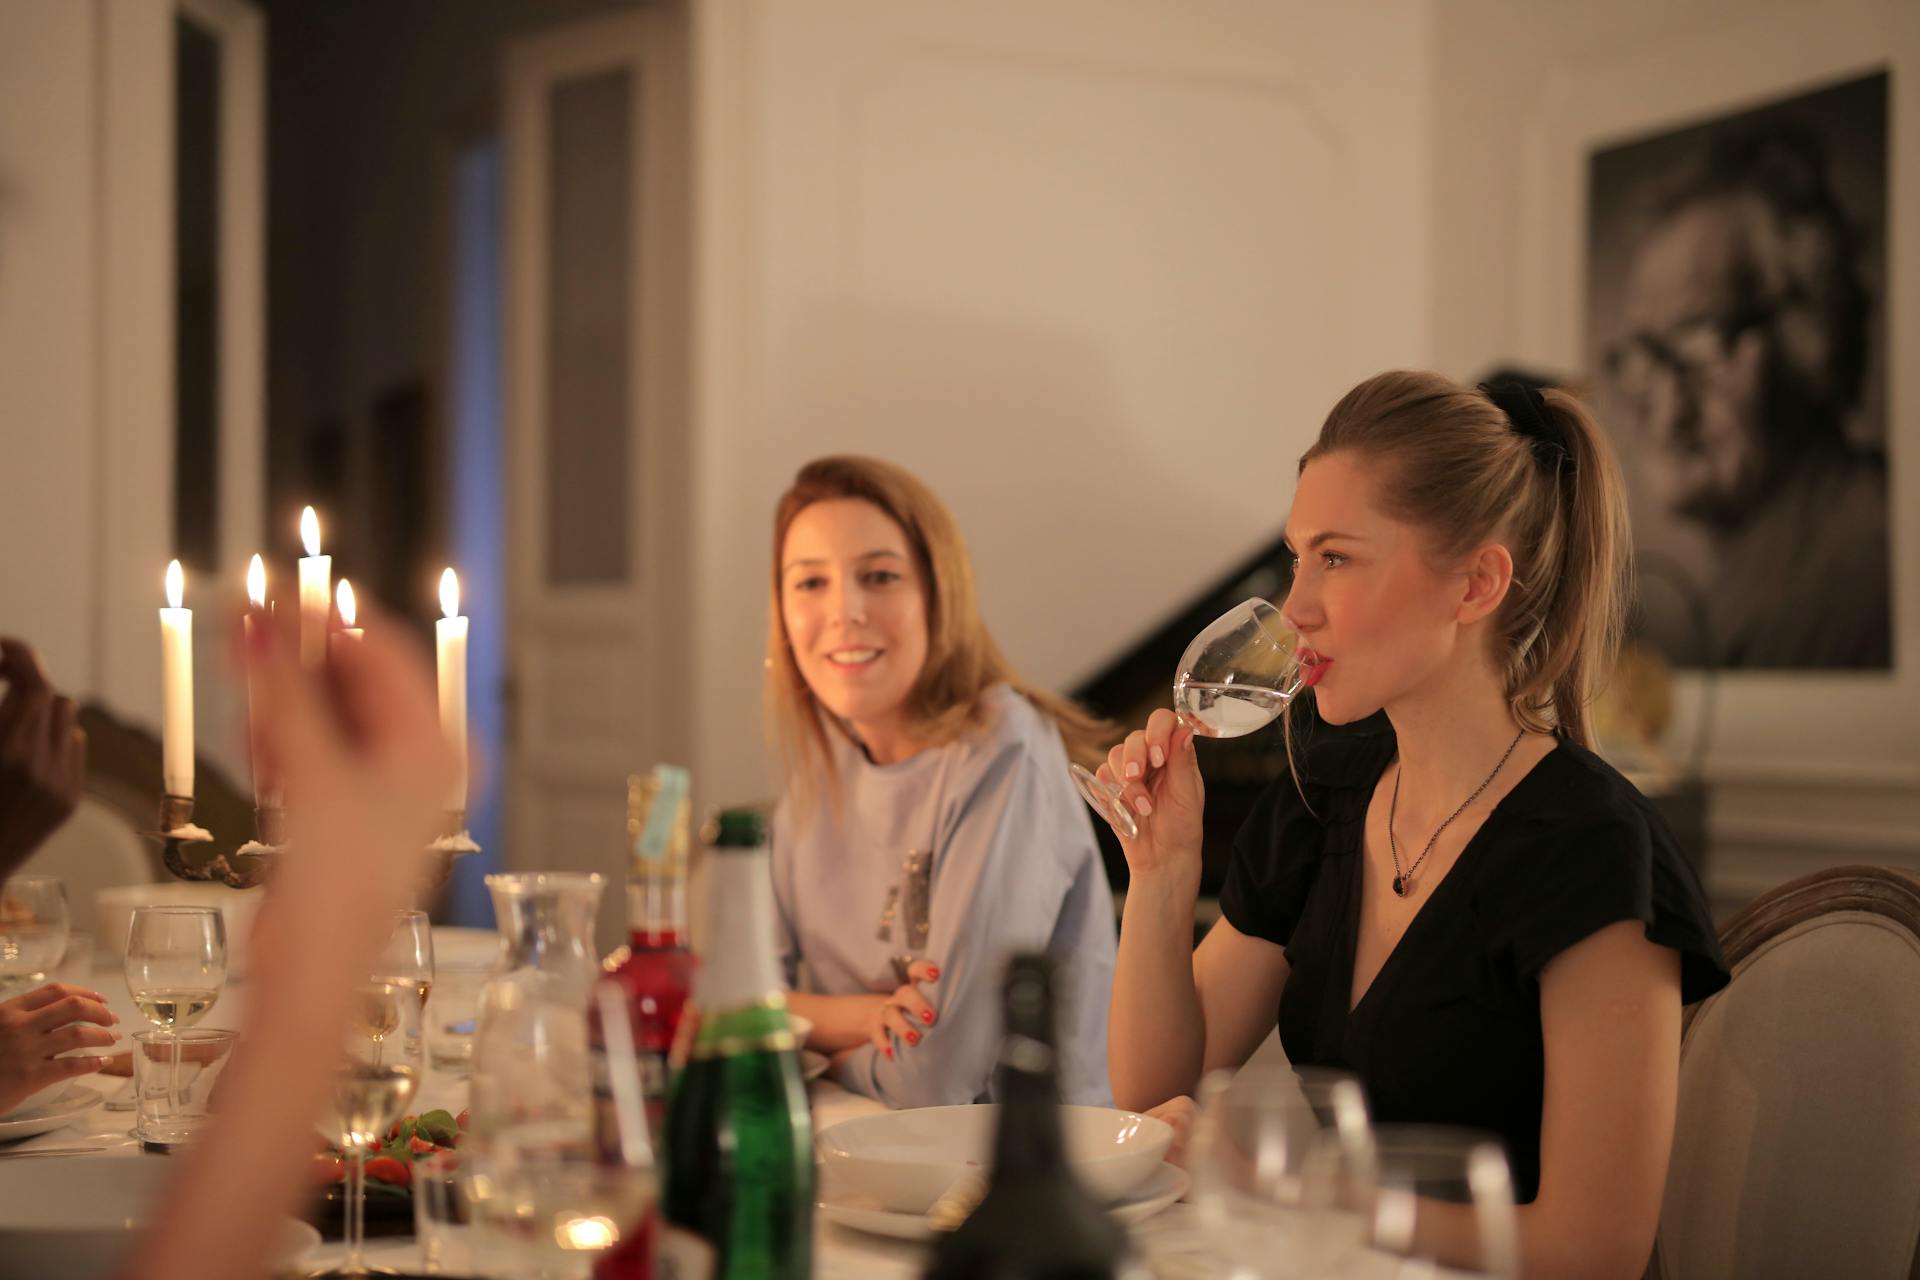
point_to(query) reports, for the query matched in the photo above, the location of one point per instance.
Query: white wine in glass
(377, 1077)
(1235, 678)
(176, 967)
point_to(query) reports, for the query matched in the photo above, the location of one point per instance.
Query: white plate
(47, 1113)
(904, 1160)
(1161, 1190)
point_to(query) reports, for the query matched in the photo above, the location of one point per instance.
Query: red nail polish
(926, 1015)
(889, 1051)
(913, 1037)
(932, 973)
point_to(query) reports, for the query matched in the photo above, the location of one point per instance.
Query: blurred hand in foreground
(43, 755)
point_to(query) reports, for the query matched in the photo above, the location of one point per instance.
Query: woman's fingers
(918, 1010)
(894, 1020)
(77, 1035)
(1158, 734)
(1178, 1113)
(40, 997)
(923, 971)
(70, 1008)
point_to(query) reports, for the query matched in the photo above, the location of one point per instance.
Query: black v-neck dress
(1449, 1032)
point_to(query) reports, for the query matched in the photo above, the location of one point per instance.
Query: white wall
(47, 342)
(1807, 769)
(1095, 271)
(86, 360)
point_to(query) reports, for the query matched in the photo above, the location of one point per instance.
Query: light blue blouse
(961, 854)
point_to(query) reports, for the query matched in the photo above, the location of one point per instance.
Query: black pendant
(1400, 886)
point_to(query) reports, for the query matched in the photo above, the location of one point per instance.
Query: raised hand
(43, 755)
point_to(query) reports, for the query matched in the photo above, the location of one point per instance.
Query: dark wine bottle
(1036, 1222)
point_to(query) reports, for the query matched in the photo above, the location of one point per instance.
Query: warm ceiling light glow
(310, 531)
(176, 584)
(257, 582)
(449, 594)
(343, 599)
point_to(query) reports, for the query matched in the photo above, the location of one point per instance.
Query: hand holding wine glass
(1236, 677)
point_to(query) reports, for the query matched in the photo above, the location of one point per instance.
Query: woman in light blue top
(928, 827)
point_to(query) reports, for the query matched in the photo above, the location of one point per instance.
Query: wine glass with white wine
(377, 1076)
(176, 968)
(407, 959)
(1236, 677)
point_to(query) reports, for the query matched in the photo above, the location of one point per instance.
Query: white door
(596, 232)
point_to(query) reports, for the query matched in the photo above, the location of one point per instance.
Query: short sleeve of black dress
(1599, 853)
(1278, 850)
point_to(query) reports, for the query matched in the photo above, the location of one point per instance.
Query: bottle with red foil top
(656, 967)
(654, 971)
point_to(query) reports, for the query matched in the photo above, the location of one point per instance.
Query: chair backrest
(1797, 1147)
(94, 849)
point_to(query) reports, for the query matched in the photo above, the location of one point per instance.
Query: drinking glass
(1235, 677)
(378, 1074)
(1431, 1170)
(407, 959)
(175, 1076)
(33, 931)
(559, 1166)
(1283, 1172)
(176, 966)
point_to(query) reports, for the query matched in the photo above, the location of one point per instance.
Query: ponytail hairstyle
(948, 699)
(1531, 471)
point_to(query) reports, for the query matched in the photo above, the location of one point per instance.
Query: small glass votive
(442, 1219)
(175, 1078)
(452, 1012)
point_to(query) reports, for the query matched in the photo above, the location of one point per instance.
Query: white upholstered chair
(95, 849)
(1797, 1148)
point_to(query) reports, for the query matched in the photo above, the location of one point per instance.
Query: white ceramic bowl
(114, 908)
(77, 1217)
(903, 1160)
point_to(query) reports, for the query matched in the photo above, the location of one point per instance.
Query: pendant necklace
(1403, 880)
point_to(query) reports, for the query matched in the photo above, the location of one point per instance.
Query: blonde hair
(948, 698)
(1452, 463)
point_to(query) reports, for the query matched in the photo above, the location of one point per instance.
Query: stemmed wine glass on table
(33, 931)
(378, 1075)
(407, 959)
(1236, 677)
(176, 968)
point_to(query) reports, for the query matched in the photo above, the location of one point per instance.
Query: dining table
(1172, 1242)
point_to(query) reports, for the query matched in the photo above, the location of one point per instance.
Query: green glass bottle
(739, 1136)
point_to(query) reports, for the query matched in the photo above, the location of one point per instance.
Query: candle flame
(257, 582)
(176, 584)
(310, 531)
(343, 599)
(450, 594)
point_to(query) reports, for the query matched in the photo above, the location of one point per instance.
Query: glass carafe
(546, 921)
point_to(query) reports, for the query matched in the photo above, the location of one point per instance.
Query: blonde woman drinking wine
(928, 826)
(1451, 896)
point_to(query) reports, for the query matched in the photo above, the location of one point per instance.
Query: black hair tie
(1527, 411)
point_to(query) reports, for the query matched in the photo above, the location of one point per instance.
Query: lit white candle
(349, 612)
(265, 795)
(316, 592)
(176, 701)
(450, 634)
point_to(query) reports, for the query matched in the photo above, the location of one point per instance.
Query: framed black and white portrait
(1737, 326)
